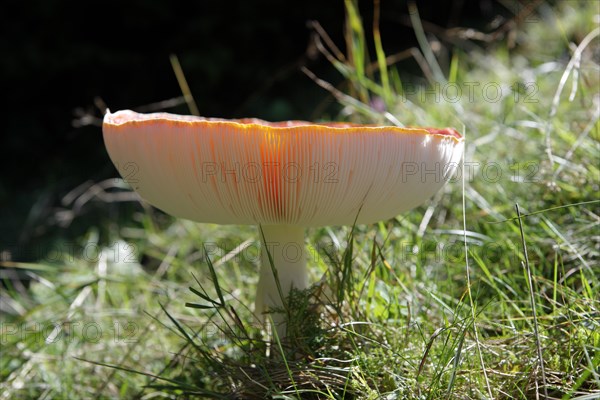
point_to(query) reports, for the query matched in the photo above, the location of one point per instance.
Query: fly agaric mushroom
(282, 176)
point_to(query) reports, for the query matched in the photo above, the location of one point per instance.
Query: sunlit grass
(392, 315)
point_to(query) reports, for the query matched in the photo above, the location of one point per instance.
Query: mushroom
(282, 176)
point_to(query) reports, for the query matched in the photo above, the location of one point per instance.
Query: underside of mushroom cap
(297, 173)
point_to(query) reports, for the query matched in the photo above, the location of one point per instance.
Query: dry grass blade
(183, 85)
(470, 294)
(424, 43)
(533, 308)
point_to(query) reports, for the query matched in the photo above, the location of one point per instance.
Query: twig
(323, 35)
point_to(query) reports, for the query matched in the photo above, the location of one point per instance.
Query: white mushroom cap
(293, 173)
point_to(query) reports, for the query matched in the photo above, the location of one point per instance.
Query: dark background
(241, 59)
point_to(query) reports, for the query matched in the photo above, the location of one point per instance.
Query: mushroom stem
(285, 245)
